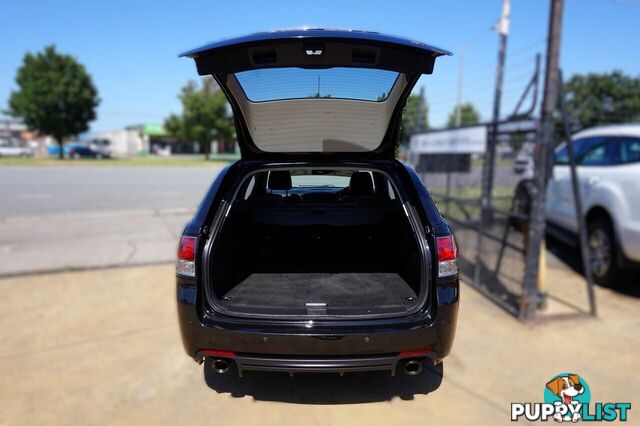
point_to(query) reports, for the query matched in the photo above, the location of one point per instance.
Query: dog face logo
(566, 387)
(567, 392)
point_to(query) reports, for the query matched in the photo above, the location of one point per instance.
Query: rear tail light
(447, 256)
(415, 353)
(217, 353)
(186, 264)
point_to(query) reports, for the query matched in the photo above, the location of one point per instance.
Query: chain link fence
(491, 229)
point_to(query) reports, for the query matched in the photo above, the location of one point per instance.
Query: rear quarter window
(629, 150)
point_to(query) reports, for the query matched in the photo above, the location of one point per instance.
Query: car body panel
(315, 125)
(302, 343)
(434, 331)
(613, 188)
(236, 49)
(432, 327)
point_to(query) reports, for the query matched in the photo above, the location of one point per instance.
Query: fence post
(542, 165)
(577, 200)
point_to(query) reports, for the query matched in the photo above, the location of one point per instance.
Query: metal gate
(494, 200)
(491, 222)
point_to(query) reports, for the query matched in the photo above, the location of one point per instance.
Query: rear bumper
(339, 365)
(311, 345)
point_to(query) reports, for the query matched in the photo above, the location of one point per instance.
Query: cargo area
(321, 294)
(334, 243)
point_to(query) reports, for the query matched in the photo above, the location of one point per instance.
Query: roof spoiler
(315, 48)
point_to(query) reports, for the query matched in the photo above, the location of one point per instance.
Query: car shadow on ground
(571, 257)
(327, 388)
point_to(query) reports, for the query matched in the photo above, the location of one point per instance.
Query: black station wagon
(317, 251)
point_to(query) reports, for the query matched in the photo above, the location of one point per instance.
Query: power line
(513, 80)
(513, 67)
(483, 79)
(512, 54)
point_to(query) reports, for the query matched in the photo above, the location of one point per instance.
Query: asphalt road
(46, 190)
(58, 218)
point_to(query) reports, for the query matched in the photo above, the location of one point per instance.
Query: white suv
(608, 160)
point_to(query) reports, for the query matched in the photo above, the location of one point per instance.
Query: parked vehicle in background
(76, 151)
(523, 163)
(101, 146)
(12, 147)
(608, 168)
(83, 151)
(317, 251)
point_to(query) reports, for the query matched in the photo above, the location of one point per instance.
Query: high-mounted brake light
(447, 256)
(186, 264)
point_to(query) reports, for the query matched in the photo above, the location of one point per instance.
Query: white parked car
(10, 147)
(523, 164)
(608, 168)
(101, 146)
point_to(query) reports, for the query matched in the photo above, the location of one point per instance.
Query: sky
(131, 48)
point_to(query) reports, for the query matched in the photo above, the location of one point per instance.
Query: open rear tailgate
(315, 93)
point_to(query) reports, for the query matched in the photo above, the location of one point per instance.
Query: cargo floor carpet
(321, 294)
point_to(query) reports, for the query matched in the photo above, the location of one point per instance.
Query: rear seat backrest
(280, 180)
(360, 184)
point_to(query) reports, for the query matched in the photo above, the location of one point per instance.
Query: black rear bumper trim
(338, 365)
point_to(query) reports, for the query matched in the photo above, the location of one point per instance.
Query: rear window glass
(317, 181)
(318, 185)
(271, 84)
(320, 179)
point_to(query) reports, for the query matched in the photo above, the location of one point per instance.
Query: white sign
(467, 140)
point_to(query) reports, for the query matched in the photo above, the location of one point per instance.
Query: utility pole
(502, 27)
(531, 295)
(463, 51)
(460, 77)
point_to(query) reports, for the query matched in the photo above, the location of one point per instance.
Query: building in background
(12, 128)
(15, 129)
(139, 139)
(144, 139)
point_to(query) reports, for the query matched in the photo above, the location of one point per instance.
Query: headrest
(280, 180)
(361, 184)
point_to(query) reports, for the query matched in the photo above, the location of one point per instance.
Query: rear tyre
(603, 252)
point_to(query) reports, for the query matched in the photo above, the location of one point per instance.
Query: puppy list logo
(567, 398)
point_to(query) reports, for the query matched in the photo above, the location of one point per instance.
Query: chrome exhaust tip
(413, 367)
(220, 366)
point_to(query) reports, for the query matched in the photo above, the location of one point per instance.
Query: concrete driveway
(103, 347)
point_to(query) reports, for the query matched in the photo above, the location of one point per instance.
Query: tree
(205, 116)
(595, 99)
(414, 117)
(468, 115)
(55, 95)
